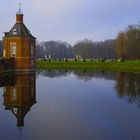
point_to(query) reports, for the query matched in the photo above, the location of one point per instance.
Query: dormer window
(14, 31)
(15, 110)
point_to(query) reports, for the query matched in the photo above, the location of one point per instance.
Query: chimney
(19, 17)
(20, 122)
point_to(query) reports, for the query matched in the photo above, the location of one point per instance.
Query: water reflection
(19, 93)
(127, 84)
(128, 87)
(85, 75)
(82, 103)
(89, 75)
(54, 73)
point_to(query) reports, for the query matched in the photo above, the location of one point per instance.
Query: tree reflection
(120, 84)
(53, 73)
(85, 75)
(128, 86)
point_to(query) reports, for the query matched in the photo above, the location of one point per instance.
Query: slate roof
(22, 110)
(21, 30)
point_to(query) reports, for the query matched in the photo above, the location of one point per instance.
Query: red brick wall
(23, 51)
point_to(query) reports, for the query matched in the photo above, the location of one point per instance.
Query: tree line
(85, 49)
(95, 50)
(128, 43)
(126, 46)
(54, 49)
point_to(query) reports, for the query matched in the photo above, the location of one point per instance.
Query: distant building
(19, 44)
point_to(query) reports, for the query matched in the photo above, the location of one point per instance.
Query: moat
(70, 105)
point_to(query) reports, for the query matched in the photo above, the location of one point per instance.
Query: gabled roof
(21, 31)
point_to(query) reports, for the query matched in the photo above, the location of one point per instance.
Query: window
(4, 89)
(13, 94)
(14, 31)
(32, 50)
(3, 52)
(32, 62)
(32, 91)
(13, 49)
(15, 110)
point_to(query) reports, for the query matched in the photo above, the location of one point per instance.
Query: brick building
(19, 44)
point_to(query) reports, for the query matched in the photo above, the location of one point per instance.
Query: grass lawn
(126, 66)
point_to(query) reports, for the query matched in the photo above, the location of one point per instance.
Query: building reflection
(19, 95)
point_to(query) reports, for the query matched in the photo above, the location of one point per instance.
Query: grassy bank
(126, 66)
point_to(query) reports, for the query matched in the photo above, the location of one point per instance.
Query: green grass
(126, 66)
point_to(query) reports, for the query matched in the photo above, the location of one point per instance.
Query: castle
(19, 45)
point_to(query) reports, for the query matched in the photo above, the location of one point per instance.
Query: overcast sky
(71, 20)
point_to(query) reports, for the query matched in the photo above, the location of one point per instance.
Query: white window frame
(13, 49)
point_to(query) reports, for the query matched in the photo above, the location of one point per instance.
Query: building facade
(19, 44)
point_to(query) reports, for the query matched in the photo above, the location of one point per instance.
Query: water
(70, 105)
